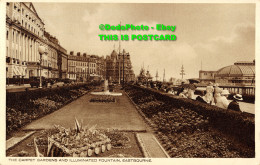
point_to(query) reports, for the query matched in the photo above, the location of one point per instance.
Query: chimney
(84, 54)
(78, 54)
(72, 53)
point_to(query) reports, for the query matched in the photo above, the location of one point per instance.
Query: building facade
(83, 67)
(78, 66)
(242, 73)
(24, 34)
(119, 67)
(55, 63)
(207, 76)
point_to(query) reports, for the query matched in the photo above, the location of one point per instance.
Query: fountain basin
(106, 93)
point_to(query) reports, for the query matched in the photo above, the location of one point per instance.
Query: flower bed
(77, 143)
(103, 99)
(118, 139)
(24, 107)
(27, 147)
(179, 120)
(180, 123)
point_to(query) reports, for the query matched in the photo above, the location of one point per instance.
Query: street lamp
(41, 50)
(124, 68)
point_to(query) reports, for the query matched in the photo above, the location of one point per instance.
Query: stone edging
(142, 147)
(161, 147)
(10, 145)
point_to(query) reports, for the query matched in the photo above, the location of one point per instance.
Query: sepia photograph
(116, 81)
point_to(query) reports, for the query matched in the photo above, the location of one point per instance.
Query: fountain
(106, 91)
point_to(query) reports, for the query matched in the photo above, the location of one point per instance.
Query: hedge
(16, 97)
(237, 124)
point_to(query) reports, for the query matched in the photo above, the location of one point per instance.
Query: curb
(10, 143)
(142, 147)
(161, 147)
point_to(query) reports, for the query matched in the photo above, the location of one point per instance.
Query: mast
(182, 71)
(163, 74)
(156, 76)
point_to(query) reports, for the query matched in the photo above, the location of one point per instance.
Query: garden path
(120, 115)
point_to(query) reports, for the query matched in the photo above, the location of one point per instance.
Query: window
(22, 11)
(7, 34)
(17, 37)
(13, 36)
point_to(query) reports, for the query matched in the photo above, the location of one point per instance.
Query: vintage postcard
(127, 82)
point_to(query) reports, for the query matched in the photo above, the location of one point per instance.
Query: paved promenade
(120, 115)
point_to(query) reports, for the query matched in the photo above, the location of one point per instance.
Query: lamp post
(41, 50)
(123, 68)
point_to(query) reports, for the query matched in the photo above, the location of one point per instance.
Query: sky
(209, 36)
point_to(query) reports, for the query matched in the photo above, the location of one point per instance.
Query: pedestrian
(222, 101)
(181, 88)
(184, 93)
(234, 104)
(209, 94)
(217, 92)
(191, 90)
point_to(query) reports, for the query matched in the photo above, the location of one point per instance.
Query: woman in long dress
(209, 94)
(217, 92)
(222, 101)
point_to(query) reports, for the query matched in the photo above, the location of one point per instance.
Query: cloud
(213, 33)
(158, 55)
(225, 50)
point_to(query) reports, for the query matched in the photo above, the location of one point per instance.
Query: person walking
(234, 104)
(209, 94)
(222, 101)
(217, 92)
